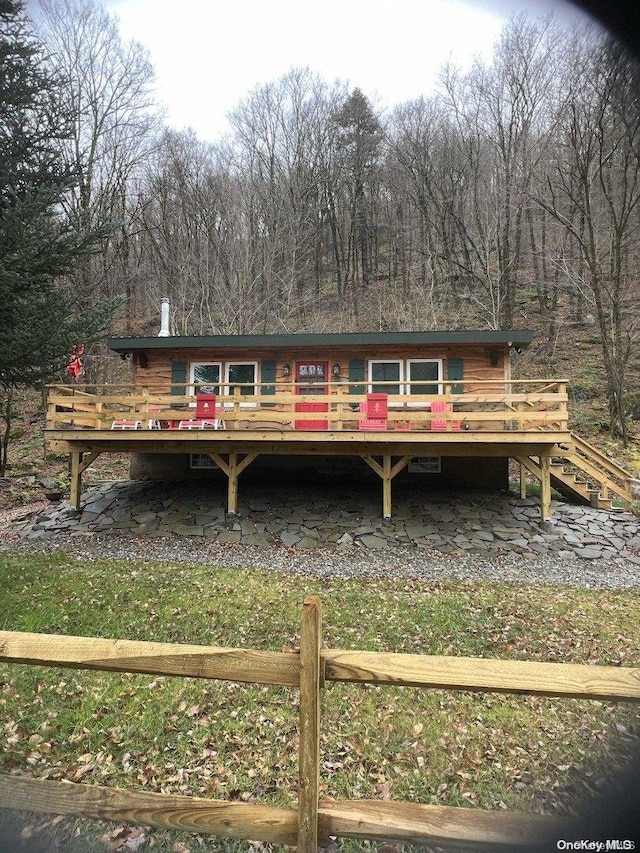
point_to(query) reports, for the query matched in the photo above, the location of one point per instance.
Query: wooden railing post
(339, 407)
(309, 750)
(235, 424)
(448, 403)
(51, 409)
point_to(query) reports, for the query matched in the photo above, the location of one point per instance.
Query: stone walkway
(455, 523)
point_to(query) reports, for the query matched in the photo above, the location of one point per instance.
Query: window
(206, 376)
(425, 465)
(241, 375)
(385, 377)
(423, 370)
(396, 376)
(201, 462)
(311, 377)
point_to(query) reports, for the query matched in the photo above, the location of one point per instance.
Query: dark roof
(517, 337)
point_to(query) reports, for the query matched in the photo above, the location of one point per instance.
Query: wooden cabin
(411, 368)
(439, 405)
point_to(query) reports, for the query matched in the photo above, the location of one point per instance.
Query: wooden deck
(527, 421)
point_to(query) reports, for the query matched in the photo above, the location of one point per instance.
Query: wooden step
(580, 481)
(608, 504)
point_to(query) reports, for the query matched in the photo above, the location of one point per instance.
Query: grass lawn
(224, 740)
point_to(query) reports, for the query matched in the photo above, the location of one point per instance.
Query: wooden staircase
(588, 475)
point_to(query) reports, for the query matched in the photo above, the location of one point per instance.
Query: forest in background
(508, 198)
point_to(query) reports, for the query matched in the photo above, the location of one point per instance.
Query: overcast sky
(208, 54)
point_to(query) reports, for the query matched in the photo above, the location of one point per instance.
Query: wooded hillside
(508, 198)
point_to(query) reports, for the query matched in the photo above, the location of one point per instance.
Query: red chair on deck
(205, 414)
(376, 411)
(438, 407)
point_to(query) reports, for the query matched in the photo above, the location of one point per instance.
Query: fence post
(309, 750)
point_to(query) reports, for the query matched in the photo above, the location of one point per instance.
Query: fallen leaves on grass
(125, 839)
(228, 741)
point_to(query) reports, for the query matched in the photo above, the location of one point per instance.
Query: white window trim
(192, 369)
(227, 385)
(371, 380)
(437, 381)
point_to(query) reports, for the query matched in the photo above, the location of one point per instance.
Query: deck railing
(476, 405)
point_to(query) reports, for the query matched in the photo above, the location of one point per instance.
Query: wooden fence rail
(308, 669)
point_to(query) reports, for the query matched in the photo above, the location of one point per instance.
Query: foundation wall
(490, 473)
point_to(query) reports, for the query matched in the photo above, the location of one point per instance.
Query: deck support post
(542, 472)
(386, 486)
(232, 491)
(233, 468)
(78, 463)
(545, 487)
(523, 481)
(387, 472)
(76, 478)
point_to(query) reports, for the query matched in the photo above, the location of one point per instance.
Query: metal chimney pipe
(164, 319)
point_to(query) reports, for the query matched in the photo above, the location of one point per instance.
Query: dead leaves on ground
(240, 743)
(125, 839)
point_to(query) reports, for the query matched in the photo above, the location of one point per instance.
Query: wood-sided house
(439, 404)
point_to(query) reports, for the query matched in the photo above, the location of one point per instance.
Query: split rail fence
(315, 819)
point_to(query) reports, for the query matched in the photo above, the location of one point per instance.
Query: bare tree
(116, 121)
(282, 147)
(593, 191)
(500, 112)
(428, 174)
(192, 240)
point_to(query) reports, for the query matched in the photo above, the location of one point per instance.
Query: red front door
(312, 378)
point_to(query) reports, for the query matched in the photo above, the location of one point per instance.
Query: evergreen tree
(359, 143)
(40, 316)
